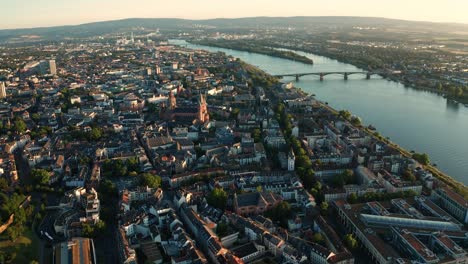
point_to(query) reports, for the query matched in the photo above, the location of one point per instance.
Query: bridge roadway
(322, 74)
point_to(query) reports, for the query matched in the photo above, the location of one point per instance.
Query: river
(416, 120)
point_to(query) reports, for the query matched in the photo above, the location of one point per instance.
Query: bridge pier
(346, 76)
(368, 75)
(321, 76)
(297, 77)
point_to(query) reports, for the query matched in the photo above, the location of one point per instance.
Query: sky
(40, 13)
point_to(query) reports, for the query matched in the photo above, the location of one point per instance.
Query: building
(414, 235)
(291, 160)
(2, 90)
(255, 202)
(249, 252)
(52, 67)
(76, 251)
(138, 194)
(412, 245)
(451, 201)
(190, 113)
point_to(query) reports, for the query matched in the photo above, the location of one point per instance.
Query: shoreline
(447, 179)
(263, 50)
(456, 185)
(394, 78)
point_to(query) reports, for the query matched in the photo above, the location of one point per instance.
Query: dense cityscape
(127, 148)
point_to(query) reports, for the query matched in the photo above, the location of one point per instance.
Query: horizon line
(227, 18)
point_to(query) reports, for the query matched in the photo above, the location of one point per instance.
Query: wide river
(416, 120)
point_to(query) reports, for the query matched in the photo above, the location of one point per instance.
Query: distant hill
(124, 25)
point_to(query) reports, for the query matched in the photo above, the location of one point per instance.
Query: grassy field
(25, 248)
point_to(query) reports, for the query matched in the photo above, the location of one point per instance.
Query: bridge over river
(415, 119)
(344, 73)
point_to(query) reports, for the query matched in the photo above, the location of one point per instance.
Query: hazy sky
(36, 13)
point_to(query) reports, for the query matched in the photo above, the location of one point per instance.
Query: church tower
(203, 115)
(172, 101)
(190, 59)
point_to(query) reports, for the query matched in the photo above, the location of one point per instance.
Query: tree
(114, 168)
(41, 131)
(338, 180)
(153, 108)
(133, 164)
(217, 198)
(40, 176)
(356, 121)
(87, 230)
(3, 184)
(350, 241)
(280, 213)
(318, 185)
(257, 135)
(408, 175)
(13, 233)
(35, 117)
(92, 231)
(150, 180)
(221, 229)
(317, 238)
(353, 198)
(234, 113)
(308, 178)
(100, 226)
(20, 216)
(19, 126)
(344, 114)
(324, 208)
(348, 175)
(9, 204)
(95, 134)
(422, 158)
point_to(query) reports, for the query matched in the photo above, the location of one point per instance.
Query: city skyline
(31, 14)
(247, 131)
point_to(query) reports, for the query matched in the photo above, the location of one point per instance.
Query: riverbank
(238, 45)
(415, 119)
(459, 187)
(286, 52)
(400, 78)
(456, 185)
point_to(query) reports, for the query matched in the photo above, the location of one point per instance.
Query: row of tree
(303, 163)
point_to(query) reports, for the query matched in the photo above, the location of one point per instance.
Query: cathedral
(192, 114)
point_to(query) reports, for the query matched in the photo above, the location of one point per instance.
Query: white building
(2, 90)
(52, 67)
(291, 160)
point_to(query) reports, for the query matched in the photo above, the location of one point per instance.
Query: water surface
(416, 120)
